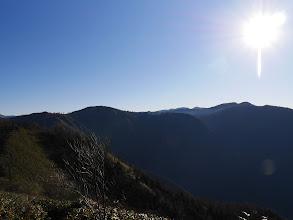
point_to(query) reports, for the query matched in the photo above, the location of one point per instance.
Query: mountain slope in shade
(162, 144)
(145, 139)
(239, 153)
(258, 143)
(34, 151)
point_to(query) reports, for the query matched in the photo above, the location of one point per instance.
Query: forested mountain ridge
(51, 120)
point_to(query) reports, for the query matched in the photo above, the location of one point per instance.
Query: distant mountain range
(200, 112)
(231, 152)
(3, 116)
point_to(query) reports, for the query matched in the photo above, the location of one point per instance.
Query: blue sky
(64, 55)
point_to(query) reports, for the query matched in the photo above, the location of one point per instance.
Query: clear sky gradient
(64, 55)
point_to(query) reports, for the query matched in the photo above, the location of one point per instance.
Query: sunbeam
(259, 62)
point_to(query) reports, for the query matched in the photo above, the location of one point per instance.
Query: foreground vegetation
(19, 206)
(32, 157)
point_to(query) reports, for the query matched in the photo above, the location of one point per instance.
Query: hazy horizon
(172, 107)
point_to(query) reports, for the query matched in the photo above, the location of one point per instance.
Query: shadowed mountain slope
(153, 142)
(240, 152)
(27, 153)
(161, 144)
(258, 145)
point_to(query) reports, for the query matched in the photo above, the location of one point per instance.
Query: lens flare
(268, 167)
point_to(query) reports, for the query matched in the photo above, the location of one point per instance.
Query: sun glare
(263, 30)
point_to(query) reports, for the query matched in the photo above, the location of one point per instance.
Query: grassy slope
(24, 162)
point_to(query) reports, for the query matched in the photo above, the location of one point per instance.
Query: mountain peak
(245, 103)
(95, 108)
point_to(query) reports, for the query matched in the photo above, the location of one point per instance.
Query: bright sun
(262, 30)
